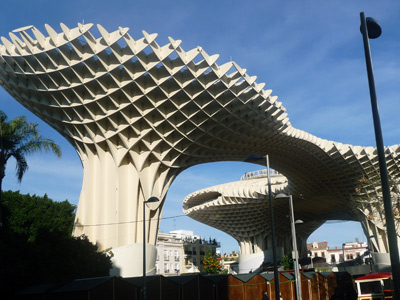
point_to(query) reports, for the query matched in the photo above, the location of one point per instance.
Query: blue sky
(309, 53)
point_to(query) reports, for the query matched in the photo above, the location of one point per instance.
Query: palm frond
(19, 138)
(21, 166)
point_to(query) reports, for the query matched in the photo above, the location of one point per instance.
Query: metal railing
(258, 174)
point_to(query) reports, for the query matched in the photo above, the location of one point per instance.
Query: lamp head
(373, 28)
(281, 196)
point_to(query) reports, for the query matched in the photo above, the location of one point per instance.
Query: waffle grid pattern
(139, 113)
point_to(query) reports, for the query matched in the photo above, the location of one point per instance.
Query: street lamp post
(371, 247)
(344, 258)
(294, 244)
(296, 252)
(150, 200)
(371, 29)
(310, 252)
(254, 158)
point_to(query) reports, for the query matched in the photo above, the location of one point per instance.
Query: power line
(128, 222)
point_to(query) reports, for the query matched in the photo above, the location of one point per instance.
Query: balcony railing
(258, 174)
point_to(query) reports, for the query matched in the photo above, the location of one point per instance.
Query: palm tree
(18, 138)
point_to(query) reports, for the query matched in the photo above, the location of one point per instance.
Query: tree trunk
(1, 203)
(2, 174)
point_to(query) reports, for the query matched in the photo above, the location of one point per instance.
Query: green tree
(287, 262)
(19, 138)
(211, 264)
(36, 245)
(29, 216)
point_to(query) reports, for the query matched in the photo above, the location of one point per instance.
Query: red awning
(373, 276)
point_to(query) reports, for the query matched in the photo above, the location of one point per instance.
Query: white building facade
(350, 251)
(181, 252)
(318, 249)
(169, 254)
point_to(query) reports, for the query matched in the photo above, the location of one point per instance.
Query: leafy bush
(287, 262)
(211, 264)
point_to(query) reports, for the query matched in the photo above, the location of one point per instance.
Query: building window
(349, 256)
(323, 254)
(341, 258)
(333, 258)
(166, 269)
(177, 269)
(166, 257)
(176, 255)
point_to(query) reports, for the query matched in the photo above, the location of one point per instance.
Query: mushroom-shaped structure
(139, 113)
(241, 209)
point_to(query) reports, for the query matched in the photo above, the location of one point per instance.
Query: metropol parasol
(139, 113)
